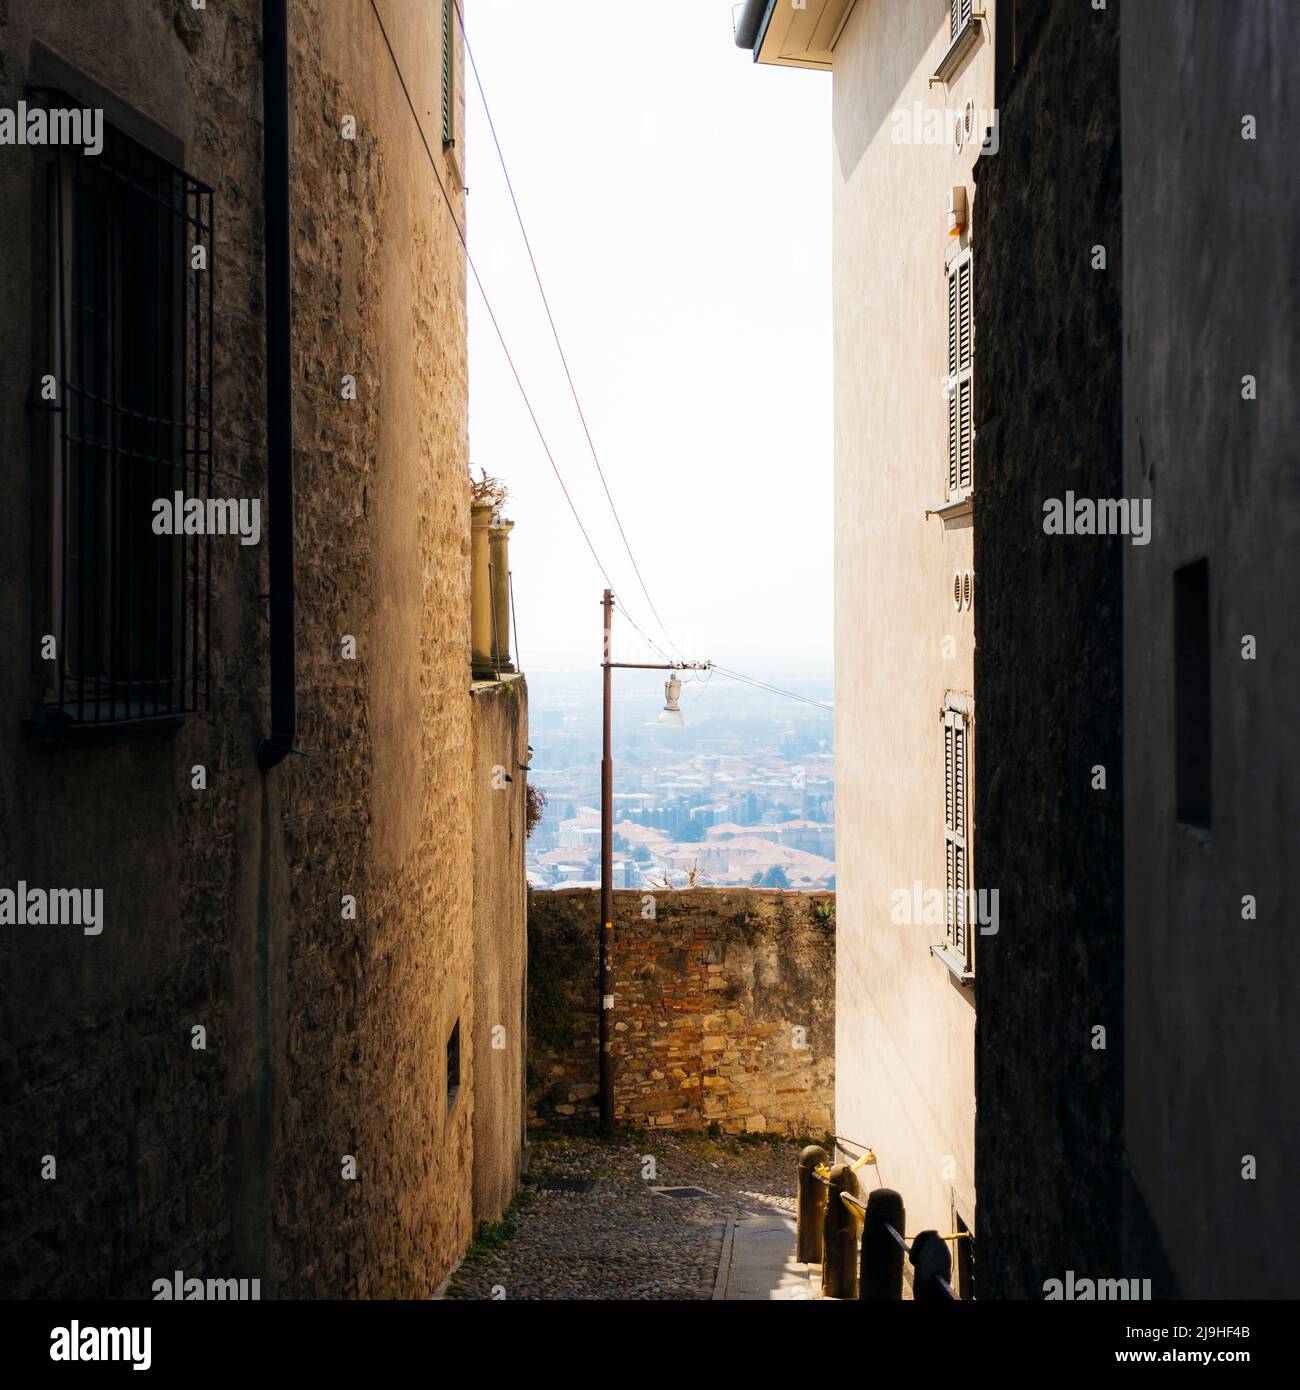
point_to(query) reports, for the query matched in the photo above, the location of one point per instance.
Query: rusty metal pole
(606, 942)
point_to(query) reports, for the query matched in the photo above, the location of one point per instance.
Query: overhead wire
(555, 468)
(487, 304)
(555, 332)
(773, 689)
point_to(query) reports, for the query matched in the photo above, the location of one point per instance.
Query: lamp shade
(670, 714)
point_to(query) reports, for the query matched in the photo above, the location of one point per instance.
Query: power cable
(555, 333)
(774, 689)
(487, 304)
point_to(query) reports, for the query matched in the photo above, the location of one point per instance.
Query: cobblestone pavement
(620, 1240)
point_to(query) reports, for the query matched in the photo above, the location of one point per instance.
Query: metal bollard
(881, 1273)
(839, 1237)
(932, 1266)
(812, 1206)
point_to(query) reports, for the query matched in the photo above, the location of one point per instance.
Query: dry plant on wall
(536, 806)
(489, 490)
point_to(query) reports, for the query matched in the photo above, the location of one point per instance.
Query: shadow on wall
(898, 35)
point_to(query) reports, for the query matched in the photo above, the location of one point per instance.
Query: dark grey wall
(1211, 250)
(1048, 658)
(158, 1146)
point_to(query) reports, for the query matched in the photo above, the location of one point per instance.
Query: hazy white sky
(678, 202)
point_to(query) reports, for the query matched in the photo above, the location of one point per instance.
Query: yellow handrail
(823, 1170)
(859, 1211)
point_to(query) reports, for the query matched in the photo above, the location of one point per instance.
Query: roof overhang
(792, 33)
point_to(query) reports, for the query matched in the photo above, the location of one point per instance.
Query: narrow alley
(645, 1216)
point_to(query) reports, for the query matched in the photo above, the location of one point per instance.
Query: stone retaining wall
(724, 1009)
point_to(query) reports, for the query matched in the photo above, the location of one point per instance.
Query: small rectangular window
(1192, 729)
(128, 344)
(453, 1065)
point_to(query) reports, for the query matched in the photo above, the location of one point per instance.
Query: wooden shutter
(961, 415)
(446, 72)
(954, 435)
(957, 861)
(966, 435)
(964, 320)
(959, 13)
(954, 323)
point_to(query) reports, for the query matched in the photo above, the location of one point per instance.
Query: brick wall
(724, 1009)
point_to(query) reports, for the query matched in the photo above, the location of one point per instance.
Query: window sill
(956, 967)
(48, 726)
(453, 163)
(957, 50)
(955, 515)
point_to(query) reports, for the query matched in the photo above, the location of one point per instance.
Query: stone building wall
(152, 1139)
(724, 1009)
(500, 941)
(326, 1034)
(1211, 226)
(1048, 657)
(383, 809)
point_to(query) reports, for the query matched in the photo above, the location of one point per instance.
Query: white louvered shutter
(956, 854)
(961, 413)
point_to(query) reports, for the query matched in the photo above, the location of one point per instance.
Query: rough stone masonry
(724, 1009)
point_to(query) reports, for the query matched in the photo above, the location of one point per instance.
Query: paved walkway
(758, 1262)
(646, 1216)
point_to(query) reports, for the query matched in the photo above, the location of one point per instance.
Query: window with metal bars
(961, 418)
(129, 346)
(956, 805)
(959, 13)
(448, 97)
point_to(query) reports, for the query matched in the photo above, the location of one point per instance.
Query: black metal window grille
(131, 337)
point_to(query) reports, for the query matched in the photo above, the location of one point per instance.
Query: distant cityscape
(742, 795)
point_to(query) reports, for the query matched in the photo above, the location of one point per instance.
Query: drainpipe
(751, 28)
(279, 384)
